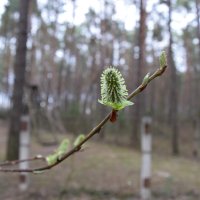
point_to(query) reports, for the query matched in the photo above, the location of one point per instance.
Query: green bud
(79, 139)
(59, 152)
(146, 79)
(38, 171)
(63, 147)
(51, 159)
(163, 60)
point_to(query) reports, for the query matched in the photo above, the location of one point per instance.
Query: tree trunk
(198, 22)
(139, 100)
(196, 70)
(197, 92)
(19, 72)
(173, 101)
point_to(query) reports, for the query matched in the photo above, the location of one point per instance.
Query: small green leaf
(117, 106)
(79, 139)
(163, 60)
(146, 79)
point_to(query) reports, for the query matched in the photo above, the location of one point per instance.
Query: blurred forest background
(70, 43)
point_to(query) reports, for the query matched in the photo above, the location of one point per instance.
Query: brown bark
(196, 89)
(196, 69)
(198, 22)
(188, 97)
(19, 71)
(139, 101)
(173, 101)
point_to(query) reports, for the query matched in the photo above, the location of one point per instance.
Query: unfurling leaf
(113, 89)
(163, 60)
(79, 139)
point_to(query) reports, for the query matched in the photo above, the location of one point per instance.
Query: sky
(124, 12)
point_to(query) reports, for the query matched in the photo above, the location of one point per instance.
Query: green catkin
(113, 89)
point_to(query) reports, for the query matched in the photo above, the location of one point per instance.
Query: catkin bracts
(113, 89)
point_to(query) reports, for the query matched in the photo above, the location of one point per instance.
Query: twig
(15, 162)
(93, 132)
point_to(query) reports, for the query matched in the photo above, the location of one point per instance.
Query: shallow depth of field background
(69, 44)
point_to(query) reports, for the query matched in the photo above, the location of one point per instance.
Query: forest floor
(103, 172)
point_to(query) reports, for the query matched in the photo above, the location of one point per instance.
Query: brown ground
(103, 172)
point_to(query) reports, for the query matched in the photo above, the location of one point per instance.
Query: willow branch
(15, 162)
(93, 132)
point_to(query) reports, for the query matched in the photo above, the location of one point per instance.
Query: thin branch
(15, 162)
(93, 132)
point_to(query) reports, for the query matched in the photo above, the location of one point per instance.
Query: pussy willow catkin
(113, 89)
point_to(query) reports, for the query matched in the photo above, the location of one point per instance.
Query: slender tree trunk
(19, 70)
(197, 92)
(139, 100)
(198, 22)
(7, 56)
(189, 95)
(152, 89)
(197, 103)
(173, 101)
(102, 65)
